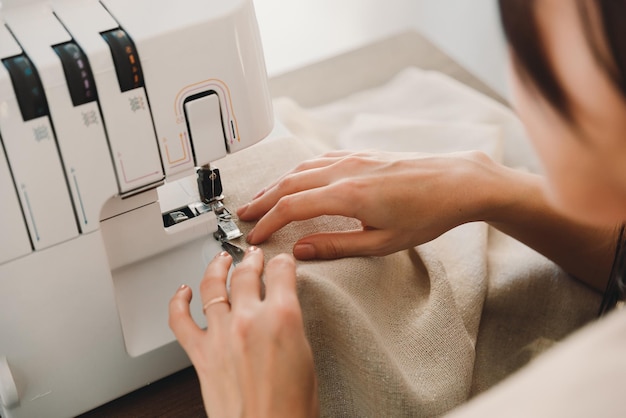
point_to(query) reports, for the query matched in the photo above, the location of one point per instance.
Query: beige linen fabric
(418, 332)
(388, 336)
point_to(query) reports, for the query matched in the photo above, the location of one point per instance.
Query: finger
(318, 162)
(299, 206)
(298, 179)
(213, 286)
(280, 279)
(245, 283)
(288, 185)
(180, 321)
(333, 245)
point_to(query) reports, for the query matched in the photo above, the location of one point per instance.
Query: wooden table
(179, 395)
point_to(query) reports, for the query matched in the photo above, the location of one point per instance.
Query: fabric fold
(418, 332)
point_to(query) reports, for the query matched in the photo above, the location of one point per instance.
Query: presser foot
(211, 192)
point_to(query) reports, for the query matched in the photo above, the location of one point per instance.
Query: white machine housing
(93, 154)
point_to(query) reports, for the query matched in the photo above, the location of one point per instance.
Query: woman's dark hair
(529, 55)
(606, 40)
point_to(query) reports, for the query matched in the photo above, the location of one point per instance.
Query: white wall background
(299, 32)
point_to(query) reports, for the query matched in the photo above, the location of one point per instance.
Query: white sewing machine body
(101, 103)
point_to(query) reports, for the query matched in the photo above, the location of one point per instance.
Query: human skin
(401, 197)
(585, 165)
(570, 215)
(253, 359)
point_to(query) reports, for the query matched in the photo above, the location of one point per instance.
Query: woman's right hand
(401, 199)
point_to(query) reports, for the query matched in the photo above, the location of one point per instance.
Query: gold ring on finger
(219, 299)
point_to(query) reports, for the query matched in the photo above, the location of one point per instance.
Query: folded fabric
(413, 96)
(418, 332)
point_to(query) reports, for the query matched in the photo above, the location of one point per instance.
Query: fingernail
(304, 251)
(182, 287)
(223, 254)
(242, 209)
(250, 236)
(252, 249)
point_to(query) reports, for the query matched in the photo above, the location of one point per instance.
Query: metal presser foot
(210, 189)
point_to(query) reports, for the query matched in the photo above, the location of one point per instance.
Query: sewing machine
(111, 112)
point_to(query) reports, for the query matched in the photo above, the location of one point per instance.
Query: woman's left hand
(253, 359)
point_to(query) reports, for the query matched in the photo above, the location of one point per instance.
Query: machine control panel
(77, 71)
(27, 85)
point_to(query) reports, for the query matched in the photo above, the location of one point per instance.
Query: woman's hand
(253, 359)
(401, 199)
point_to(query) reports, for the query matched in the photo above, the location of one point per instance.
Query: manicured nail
(242, 209)
(304, 251)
